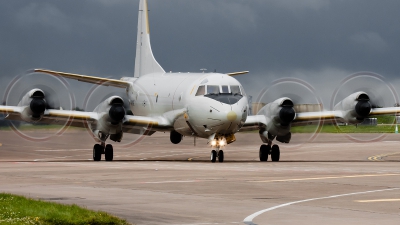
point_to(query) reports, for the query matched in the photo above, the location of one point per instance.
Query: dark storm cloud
(320, 41)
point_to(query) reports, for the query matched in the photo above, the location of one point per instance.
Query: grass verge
(20, 210)
(344, 129)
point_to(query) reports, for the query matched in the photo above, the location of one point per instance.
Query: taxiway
(334, 179)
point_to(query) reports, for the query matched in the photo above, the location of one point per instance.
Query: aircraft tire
(97, 151)
(275, 153)
(213, 156)
(175, 137)
(109, 152)
(264, 151)
(220, 156)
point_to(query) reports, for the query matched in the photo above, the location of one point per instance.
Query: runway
(330, 180)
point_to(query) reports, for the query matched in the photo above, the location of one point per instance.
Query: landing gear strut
(107, 150)
(266, 150)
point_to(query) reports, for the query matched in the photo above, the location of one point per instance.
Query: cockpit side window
(235, 90)
(225, 89)
(201, 90)
(243, 92)
(212, 89)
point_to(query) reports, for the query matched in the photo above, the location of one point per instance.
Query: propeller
(379, 93)
(56, 94)
(98, 94)
(302, 98)
(56, 90)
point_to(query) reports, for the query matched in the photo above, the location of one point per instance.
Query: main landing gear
(266, 150)
(214, 156)
(107, 150)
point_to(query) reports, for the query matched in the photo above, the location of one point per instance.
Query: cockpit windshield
(235, 90)
(229, 94)
(212, 89)
(225, 89)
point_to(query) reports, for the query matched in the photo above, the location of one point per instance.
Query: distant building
(369, 122)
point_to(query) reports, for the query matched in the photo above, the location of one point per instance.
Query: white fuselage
(203, 114)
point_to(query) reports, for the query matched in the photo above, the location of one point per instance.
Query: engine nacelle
(35, 105)
(111, 115)
(355, 108)
(279, 115)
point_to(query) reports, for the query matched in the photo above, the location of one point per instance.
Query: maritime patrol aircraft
(213, 106)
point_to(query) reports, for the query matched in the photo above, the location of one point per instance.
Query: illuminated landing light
(221, 142)
(214, 143)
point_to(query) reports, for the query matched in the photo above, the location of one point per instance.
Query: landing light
(221, 142)
(214, 143)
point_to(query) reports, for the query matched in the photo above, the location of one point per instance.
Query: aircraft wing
(317, 116)
(330, 115)
(385, 111)
(255, 121)
(130, 124)
(88, 79)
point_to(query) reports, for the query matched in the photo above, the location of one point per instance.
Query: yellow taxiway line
(325, 178)
(379, 200)
(381, 156)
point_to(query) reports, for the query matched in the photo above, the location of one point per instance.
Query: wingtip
(35, 70)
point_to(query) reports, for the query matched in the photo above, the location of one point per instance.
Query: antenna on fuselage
(203, 69)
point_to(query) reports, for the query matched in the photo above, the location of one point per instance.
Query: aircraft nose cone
(231, 116)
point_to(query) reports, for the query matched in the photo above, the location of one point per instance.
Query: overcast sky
(318, 41)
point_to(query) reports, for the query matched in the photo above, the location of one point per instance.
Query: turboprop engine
(279, 114)
(35, 105)
(355, 108)
(111, 115)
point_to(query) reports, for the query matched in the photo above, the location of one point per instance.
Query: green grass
(344, 129)
(20, 210)
(39, 127)
(385, 125)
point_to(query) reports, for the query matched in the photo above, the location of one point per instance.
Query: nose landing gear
(217, 142)
(266, 150)
(215, 155)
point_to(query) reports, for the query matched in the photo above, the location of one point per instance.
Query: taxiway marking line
(170, 181)
(268, 181)
(380, 156)
(62, 150)
(249, 220)
(325, 178)
(379, 200)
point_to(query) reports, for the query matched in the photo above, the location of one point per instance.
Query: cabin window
(225, 89)
(235, 89)
(201, 90)
(212, 89)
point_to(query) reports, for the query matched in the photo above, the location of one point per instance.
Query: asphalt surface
(331, 179)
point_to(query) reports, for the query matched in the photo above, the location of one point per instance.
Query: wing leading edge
(255, 121)
(88, 79)
(130, 124)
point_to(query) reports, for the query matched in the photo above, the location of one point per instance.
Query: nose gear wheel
(213, 156)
